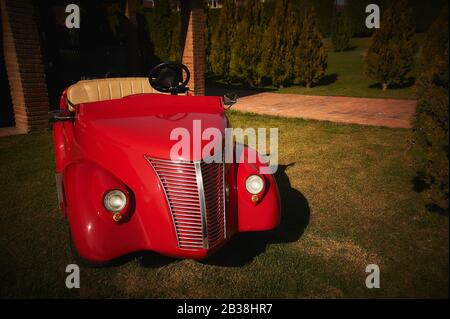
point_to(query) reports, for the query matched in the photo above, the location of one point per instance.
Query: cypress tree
(391, 53)
(246, 50)
(311, 54)
(222, 40)
(158, 23)
(279, 43)
(342, 32)
(175, 48)
(268, 11)
(432, 114)
(211, 22)
(324, 11)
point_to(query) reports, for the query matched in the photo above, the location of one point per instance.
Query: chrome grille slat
(191, 230)
(195, 194)
(187, 179)
(186, 204)
(188, 214)
(164, 168)
(171, 163)
(180, 185)
(187, 226)
(182, 199)
(184, 182)
(193, 243)
(192, 247)
(191, 235)
(192, 223)
(178, 193)
(192, 239)
(187, 220)
(186, 209)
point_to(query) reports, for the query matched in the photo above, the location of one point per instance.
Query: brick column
(193, 43)
(24, 65)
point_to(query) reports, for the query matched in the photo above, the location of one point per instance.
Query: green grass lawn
(348, 201)
(345, 76)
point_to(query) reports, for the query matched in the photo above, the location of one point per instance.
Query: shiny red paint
(104, 149)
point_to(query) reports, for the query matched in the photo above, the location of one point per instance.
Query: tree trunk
(308, 85)
(384, 86)
(251, 82)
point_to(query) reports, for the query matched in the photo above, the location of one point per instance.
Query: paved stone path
(376, 112)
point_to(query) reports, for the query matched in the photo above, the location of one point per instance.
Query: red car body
(124, 144)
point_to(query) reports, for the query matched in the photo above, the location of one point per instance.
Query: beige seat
(106, 89)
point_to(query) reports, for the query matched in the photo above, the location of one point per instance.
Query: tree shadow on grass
(215, 87)
(328, 79)
(146, 259)
(244, 247)
(350, 48)
(420, 185)
(406, 84)
(325, 80)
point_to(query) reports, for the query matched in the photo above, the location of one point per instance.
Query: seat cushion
(106, 89)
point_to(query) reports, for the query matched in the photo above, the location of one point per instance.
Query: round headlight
(115, 200)
(254, 184)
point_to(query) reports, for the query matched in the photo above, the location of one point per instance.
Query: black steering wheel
(167, 77)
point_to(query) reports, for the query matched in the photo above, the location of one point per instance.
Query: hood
(144, 123)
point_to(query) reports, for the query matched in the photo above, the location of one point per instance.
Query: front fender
(96, 236)
(265, 214)
(62, 140)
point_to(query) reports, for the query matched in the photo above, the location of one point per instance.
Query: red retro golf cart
(121, 189)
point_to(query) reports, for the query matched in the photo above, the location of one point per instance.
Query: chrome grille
(195, 194)
(214, 201)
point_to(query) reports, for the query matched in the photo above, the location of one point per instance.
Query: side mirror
(60, 115)
(229, 99)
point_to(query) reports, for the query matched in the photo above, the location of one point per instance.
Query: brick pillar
(193, 43)
(24, 65)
